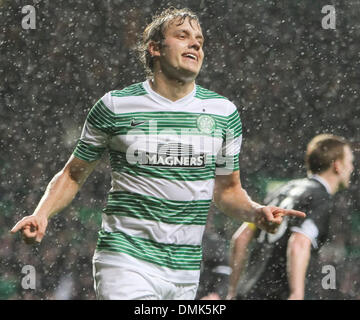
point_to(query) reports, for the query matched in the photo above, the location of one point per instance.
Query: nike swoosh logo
(134, 124)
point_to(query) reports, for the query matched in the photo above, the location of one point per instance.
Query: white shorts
(112, 282)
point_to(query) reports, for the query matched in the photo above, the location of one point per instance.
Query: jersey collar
(164, 101)
(322, 181)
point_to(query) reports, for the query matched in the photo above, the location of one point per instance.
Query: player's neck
(331, 179)
(171, 89)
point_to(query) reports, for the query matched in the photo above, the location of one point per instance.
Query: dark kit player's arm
(305, 233)
(59, 193)
(298, 256)
(233, 200)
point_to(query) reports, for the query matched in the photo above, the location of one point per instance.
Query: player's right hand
(32, 228)
(269, 218)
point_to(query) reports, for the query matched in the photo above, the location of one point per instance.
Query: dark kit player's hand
(32, 228)
(269, 218)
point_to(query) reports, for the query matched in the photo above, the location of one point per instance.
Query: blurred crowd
(290, 78)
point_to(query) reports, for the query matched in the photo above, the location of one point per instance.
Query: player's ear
(154, 48)
(337, 166)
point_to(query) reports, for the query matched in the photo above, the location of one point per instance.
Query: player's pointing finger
(18, 226)
(289, 212)
(27, 221)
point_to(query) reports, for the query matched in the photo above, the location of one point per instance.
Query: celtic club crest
(206, 124)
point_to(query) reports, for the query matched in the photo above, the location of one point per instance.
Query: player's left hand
(269, 218)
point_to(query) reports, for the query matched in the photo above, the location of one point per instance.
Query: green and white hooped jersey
(164, 157)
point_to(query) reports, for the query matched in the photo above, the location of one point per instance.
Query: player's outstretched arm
(59, 193)
(238, 254)
(233, 200)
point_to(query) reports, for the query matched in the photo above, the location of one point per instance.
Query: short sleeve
(316, 223)
(227, 160)
(96, 131)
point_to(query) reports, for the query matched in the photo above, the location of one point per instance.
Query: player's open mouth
(190, 56)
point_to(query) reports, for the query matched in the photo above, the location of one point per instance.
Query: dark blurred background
(290, 78)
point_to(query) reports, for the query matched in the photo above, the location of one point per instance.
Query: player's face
(181, 53)
(346, 167)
